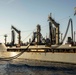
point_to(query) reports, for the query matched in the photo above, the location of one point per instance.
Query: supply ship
(42, 49)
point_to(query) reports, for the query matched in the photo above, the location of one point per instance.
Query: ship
(40, 49)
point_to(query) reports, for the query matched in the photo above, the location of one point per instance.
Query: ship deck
(43, 48)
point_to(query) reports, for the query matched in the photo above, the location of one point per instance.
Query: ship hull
(60, 55)
(42, 56)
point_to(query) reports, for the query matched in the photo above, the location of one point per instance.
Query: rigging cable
(29, 34)
(16, 56)
(70, 21)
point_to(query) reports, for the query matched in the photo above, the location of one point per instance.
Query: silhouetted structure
(5, 38)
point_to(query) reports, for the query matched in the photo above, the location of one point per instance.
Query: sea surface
(26, 67)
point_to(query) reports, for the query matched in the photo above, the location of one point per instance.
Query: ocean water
(36, 68)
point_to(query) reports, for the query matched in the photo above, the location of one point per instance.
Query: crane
(37, 35)
(52, 21)
(13, 35)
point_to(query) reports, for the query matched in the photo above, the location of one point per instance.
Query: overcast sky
(26, 14)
